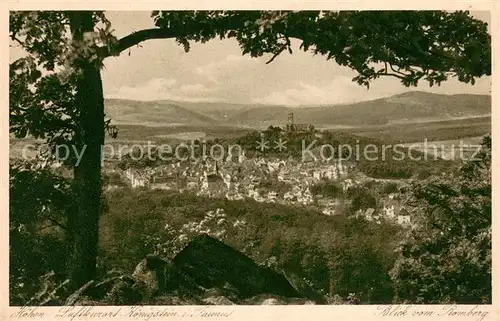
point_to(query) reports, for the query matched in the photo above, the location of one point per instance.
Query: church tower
(290, 123)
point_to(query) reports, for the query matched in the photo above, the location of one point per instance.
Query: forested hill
(407, 107)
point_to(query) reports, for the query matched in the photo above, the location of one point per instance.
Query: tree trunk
(331, 287)
(84, 222)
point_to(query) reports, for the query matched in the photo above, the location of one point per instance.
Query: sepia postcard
(243, 161)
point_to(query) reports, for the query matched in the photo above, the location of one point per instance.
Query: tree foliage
(39, 202)
(43, 84)
(408, 45)
(447, 256)
(334, 254)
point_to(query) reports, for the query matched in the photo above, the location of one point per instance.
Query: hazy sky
(216, 71)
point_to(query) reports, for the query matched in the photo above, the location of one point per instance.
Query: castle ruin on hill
(292, 127)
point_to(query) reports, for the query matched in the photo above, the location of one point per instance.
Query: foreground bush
(334, 255)
(447, 257)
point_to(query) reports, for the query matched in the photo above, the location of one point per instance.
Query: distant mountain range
(415, 106)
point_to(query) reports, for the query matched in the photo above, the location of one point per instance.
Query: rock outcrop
(205, 272)
(154, 273)
(213, 264)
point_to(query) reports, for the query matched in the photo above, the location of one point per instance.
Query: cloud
(148, 91)
(195, 89)
(343, 90)
(340, 90)
(164, 89)
(216, 70)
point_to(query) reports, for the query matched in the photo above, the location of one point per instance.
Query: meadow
(432, 130)
(394, 133)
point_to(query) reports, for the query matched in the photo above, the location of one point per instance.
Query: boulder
(268, 299)
(306, 291)
(154, 274)
(265, 299)
(86, 301)
(227, 291)
(271, 301)
(124, 292)
(172, 300)
(217, 300)
(277, 283)
(213, 264)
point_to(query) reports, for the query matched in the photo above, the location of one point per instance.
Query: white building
(348, 183)
(289, 196)
(233, 195)
(227, 180)
(258, 198)
(306, 197)
(404, 220)
(272, 196)
(191, 185)
(284, 176)
(328, 211)
(389, 211)
(204, 180)
(136, 179)
(242, 157)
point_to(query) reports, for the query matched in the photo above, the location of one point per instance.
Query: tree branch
(397, 71)
(14, 38)
(276, 54)
(54, 223)
(393, 75)
(139, 36)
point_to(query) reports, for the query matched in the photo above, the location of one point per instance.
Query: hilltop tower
(291, 126)
(290, 123)
(290, 118)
